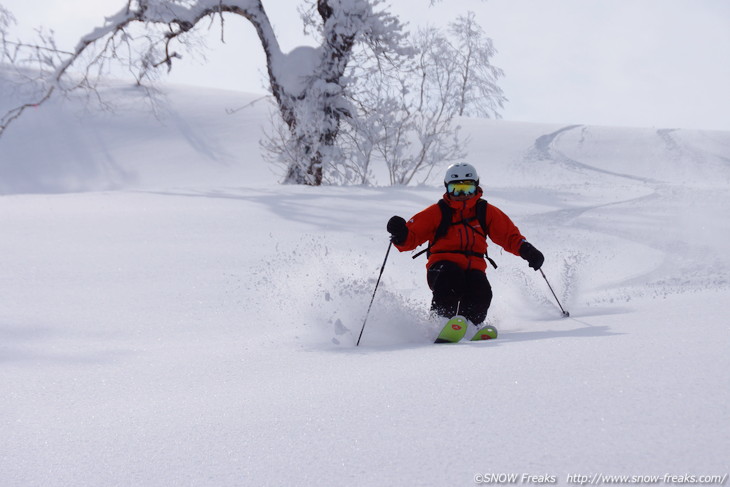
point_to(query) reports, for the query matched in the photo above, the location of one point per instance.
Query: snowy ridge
(173, 316)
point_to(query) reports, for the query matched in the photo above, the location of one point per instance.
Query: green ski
(453, 331)
(486, 333)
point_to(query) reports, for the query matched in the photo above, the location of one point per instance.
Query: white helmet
(461, 171)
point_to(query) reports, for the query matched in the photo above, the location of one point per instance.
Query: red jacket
(422, 227)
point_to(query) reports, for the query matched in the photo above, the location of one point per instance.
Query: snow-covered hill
(172, 316)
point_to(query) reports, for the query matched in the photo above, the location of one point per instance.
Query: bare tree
(307, 84)
(407, 107)
(477, 91)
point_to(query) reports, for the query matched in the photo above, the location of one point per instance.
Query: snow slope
(172, 316)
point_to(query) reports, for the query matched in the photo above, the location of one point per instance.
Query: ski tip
(453, 330)
(487, 333)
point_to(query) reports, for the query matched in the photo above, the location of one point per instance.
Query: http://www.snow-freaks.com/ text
(599, 479)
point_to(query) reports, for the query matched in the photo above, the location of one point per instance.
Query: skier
(456, 229)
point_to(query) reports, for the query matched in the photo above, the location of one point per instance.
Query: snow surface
(172, 316)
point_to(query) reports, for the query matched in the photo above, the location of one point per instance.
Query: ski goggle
(458, 188)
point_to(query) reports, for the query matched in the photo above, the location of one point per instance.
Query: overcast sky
(647, 63)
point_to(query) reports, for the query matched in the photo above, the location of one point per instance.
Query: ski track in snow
(545, 150)
(676, 274)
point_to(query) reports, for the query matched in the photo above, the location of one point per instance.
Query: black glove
(533, 256)
(398, 230)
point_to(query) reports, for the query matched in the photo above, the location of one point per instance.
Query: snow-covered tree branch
(477, 90)
(307, 84)
(407, 108)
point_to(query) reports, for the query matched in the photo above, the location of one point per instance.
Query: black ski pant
(467, 292)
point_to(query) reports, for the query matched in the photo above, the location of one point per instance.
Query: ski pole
(373, 298)
(565, 313)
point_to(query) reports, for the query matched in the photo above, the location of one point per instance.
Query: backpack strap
(444, 224)
(482, 215)
(446, 216)
(482, 219)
